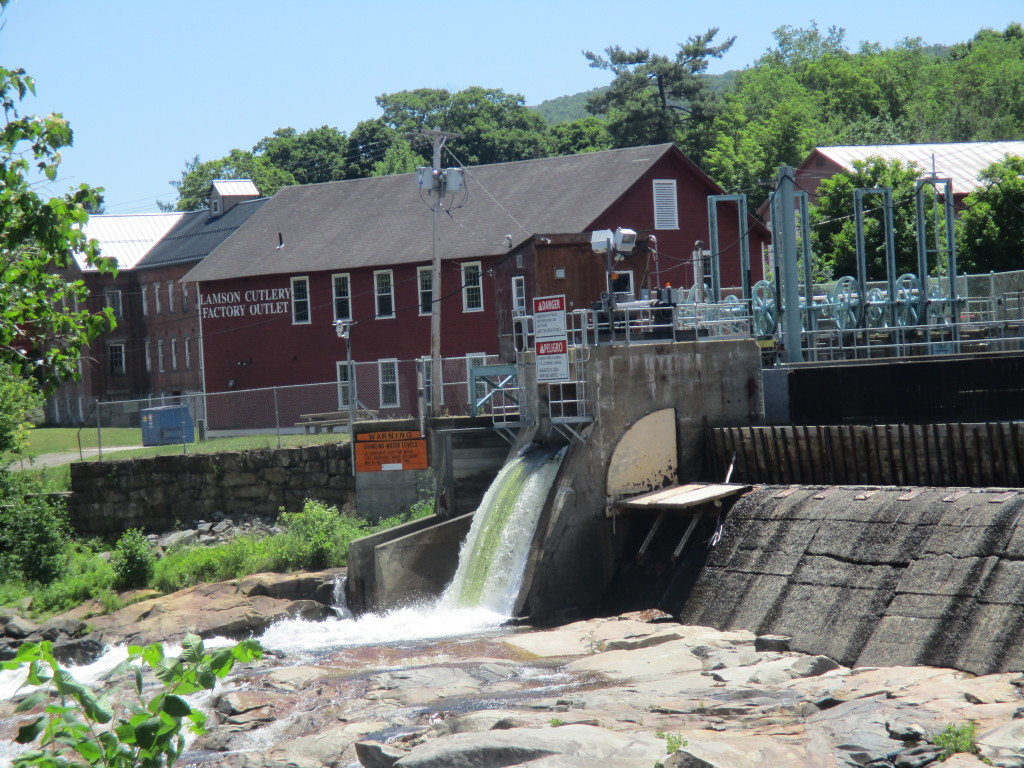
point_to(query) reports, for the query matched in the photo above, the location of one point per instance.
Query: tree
(19, 398)
(368, 142)
(41, 334)
(588, 134)
(311, 157)
(655, 99)
(833, 229)
(398, 159)
(496, 126)
(194, 186)
(990, 232)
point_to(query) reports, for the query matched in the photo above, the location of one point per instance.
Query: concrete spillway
(873, 577)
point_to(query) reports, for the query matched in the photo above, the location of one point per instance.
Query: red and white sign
(549, 317)
(551, 347)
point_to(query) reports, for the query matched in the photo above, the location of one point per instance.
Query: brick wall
(155, 494)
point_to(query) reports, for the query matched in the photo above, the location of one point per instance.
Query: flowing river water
(479, 599)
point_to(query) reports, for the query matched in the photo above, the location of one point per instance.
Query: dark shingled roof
(383, 221)
(197, 234)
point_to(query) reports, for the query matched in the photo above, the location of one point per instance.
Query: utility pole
(437, 189)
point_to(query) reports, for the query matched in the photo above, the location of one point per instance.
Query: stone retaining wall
(156, 494)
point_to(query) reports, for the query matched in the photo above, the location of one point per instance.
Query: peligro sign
(251, 303)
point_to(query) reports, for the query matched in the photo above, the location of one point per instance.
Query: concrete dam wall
(873, 576)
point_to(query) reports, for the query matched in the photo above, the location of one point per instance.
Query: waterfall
(493, 556)
(482, 593)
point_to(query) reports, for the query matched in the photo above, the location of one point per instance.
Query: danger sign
(549, 317)
(553, 347)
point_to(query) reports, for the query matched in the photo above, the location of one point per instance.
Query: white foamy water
(401, 625)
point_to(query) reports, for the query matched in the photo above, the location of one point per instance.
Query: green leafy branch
(78, 726)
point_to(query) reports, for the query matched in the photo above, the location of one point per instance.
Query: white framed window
(666, 204)
(472, 287)
(115, 357)
(170, 298)
(160, 355)
(342, 297)
(384, 293)
(145, 304)
(344, 374)
(518, 295)
(387, 373)
(474, 390)
(425, 285)
(112, 298)
(184, 297)
(300, 301)
(149, 363)
(188, 353)
(156, 298)
(174, 354)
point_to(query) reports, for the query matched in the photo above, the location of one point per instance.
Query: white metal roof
(235, 187)
(127, 238)
(960, 162)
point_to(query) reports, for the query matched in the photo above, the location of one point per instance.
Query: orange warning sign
(387, 451)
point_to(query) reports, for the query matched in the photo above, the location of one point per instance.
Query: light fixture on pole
(344, 330)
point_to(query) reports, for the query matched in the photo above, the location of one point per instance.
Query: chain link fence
(380, 390)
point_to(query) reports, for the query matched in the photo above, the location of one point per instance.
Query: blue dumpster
(167, 425)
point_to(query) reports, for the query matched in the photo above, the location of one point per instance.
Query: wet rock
(915, 757)
(584, 744)
(80, 650)
(62, 625)
(207, 610)
(1004, 745)
(374, 754)
(333, 746)
(667, 658)
(772, 643)
(17, 627)
(905, 730)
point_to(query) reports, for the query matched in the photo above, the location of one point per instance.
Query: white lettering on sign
(252, 303)
(556, 347)
(549, 304)
(549, 317)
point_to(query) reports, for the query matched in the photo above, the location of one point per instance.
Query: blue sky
(147, 85)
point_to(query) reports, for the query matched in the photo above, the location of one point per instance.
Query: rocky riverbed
(626, 691)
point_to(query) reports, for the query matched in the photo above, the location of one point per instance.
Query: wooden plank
(966, 459)
(1013, 442)
(865, 495)
(956, 495)
(785, 492)
(1000, 498)
(684, 496)
(825, 493)
(910, 494)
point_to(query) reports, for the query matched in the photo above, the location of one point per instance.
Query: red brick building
(360, 250)
(154, 350)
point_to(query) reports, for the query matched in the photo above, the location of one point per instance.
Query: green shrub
(87, 577)
(34, 538)
(133, 560)
(957, 738)
(315, 538)
(315, 533)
